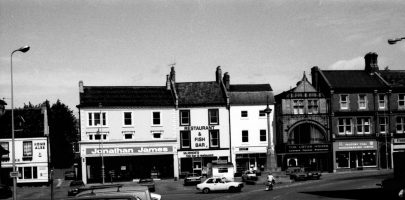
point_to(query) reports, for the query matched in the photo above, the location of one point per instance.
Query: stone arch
(307, 132)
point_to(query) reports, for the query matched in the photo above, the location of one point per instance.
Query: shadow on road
(357, 194)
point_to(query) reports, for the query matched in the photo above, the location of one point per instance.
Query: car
(76, 187)
(299, 174)
(219, 184)
(117, 191)
(393, 188)
(312, 173)
(192, 179)
(249, 176)
(5, 191)
(70, 175)
(148, 182)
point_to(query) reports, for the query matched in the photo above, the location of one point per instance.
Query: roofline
(326, 80)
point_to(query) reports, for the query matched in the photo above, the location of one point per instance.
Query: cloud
(353, 64)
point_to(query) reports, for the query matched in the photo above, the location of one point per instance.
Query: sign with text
(355, 145)
(314, 148)
(399, 140)
(199, 136)
(128, 150)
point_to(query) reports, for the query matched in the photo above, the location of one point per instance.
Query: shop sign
(128, 150)
(197, 154)
(399, 140)
(199, 140)
(308, 148)
(39, 145)
(360, 145)
(198, 128)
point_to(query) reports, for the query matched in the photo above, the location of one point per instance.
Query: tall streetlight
(14, 173)
(271, 159)
(395, 40)
(101, 142)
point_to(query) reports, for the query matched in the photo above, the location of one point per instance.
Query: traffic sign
(13, 174)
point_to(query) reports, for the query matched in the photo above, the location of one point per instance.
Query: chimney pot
(219, 74)
(226, 80)
(371, 62)
(81, 90)
(172, 74)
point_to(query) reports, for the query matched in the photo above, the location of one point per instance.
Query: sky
(134, 42)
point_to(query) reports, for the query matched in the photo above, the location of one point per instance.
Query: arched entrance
(306, 133)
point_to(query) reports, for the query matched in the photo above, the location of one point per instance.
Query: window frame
(27, 151)
(181, 117)
(182, 139)
(131, 118)
(313, 105)
(382, 103)
(156, 132)
(401, 101)
(210, 116)
(400, 122)
(262, 114)
(384, 124)
(361, 101)
(91, 119)
(6, 146)
(211, 138)
(344, 102)
(345, 125)
(125, 133)
(361, 124)
(244, 114)
(156, 118)
(263, 135)
(245, 137)
(298, 107)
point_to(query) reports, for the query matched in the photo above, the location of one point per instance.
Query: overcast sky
(132, 42)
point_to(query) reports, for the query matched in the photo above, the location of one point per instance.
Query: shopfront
(250, 158)
(199, 161)
(355, 155)
(125, 163)
(314, 156)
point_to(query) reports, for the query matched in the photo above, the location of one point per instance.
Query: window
(28, 172)
(382, 101)
(185, 139)
(262, 113)
(263, 135)
(157, 134)
(312, 106)
(156, 118)
(213, 116)
(362, 101)
(97, 135)
(96, 118)
(363, 125)
(344, 101)
(128, 135)
(214, 138)
(298, 106)
(342, 159)
(184, 117)
(400, 124)
(27, 150)
(5, 146)
(244, 113)
(128, 119)
(245, 136)
(382, 121)
(401, 101)
(345, 126)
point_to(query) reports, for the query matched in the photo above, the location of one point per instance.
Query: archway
(306, 133)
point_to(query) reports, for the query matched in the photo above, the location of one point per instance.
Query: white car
(218, 184)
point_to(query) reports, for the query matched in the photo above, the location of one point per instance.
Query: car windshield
(76, 183)
(145, 180)
(191, 175)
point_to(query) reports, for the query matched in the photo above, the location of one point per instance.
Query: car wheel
(232, 189)
(206, 190)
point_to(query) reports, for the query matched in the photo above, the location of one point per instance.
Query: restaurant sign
(355, 145)
(128, 150)
(313, 148)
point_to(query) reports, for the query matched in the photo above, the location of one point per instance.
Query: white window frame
(298, 106)
(212, 139)
(383, 122)
(362, 102)
(344, 104)
(6, 146)
(123, 118)
(159, 132)
(181, 117)
(401, 101)
(313, 106)
(103, 136)
(124, 133)
(260, 135)
(243, 112)
(210, 117)
(347, 123)
(363, 123)
(160, 118)
(382, 103)
(181, 140)
(262, 112)
(91, 117)
(243, 131)
(400, 124)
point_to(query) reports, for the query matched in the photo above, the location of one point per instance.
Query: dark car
(249, 176)
(5, 191)
(192, 179)
(76, 187)
(148, 182)
(313, 173)
(70, 175)
(298, 174)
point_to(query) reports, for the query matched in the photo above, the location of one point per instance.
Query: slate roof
(347, 79)
(251, 94)
(200, 94)
(396, 78)
(142, 96)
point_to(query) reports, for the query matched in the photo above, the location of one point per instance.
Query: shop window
(298, 106)
(369, 158)
(214, 138)
(401, 101)
(128, 119)
(97, 119)
(344, 101)
(400, 124)
(262, 113)
(363, 125)
(263, 135)
(313, 107)
(5, 157)
(184, 117)
(185, 139)
(345, 126)
(382, 121)
(27, 150)
(245, 136)
(28, 172)
(244, 113)
(155, 118)
(362, 101)
(382, 101)
(213, 116)
(342, 159)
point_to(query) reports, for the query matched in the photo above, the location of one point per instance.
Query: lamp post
(101, 142)
(395, 40)
(271, 159)
(22, 49)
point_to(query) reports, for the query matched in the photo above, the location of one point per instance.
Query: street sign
(13, 174)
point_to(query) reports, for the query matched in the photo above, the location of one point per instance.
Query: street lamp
(101, 142)
(14, 173)
(271, 159)
(393, 41)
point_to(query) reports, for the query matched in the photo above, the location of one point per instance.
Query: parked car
(76, 187)
(303, 173)
(312, 173)
(393, 188)
(117, 191)
(148, 182)
(5, 191)
(298, 174)
(70, 175)
(219, 184)
(249, 175)
(192, 179)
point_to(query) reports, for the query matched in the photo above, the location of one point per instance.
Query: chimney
(218, 74)
(167, 82)
(173, 75)
(81, 90)
(314, 75)
(226, 81)
(371, 64)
